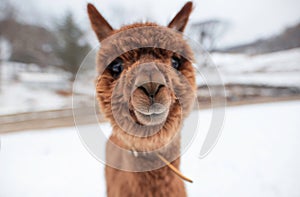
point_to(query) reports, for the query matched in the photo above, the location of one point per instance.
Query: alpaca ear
(180, 20)
(101, 27)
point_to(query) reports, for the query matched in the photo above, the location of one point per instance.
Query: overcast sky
(249, 19)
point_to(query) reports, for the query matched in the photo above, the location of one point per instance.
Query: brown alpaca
(146, 87)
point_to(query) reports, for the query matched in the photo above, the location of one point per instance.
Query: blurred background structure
(254, 44)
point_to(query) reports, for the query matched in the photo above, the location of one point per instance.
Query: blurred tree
(71, 47)
(288, 39)
(29, 43)
(209, 32)
(7, 12)
(5, 53)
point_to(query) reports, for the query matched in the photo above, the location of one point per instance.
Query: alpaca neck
(129, 159)
(161, 181)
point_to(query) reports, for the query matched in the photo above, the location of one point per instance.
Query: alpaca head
(146, 84)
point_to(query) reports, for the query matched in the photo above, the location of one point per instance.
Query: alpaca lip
(151, 119)
(154, 109)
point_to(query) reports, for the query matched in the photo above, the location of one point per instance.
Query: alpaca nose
(149, 79)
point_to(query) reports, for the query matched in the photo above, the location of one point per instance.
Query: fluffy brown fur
(146, 103)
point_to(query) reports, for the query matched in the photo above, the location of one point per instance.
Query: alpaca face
(146, 83)
(150, 95)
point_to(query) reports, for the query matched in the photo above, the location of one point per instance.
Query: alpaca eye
(176, 62)
(116, 67)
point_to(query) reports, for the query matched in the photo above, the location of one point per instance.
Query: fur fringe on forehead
(142, 35)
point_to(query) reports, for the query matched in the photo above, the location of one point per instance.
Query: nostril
(158, 88)
(144, 90)
(151, 89)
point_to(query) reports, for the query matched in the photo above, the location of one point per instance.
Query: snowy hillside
(18, 98)
(28, 88)
(257, 155)
(274, 69)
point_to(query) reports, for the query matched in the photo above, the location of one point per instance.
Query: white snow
(274, 69)
(17, 98)
(37, 77)
(281, 61)
(257, 155)
(28, 88)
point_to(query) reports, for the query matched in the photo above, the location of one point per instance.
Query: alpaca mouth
(156, 114)
(154, 109)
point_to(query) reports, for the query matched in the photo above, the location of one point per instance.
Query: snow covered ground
(257, 155)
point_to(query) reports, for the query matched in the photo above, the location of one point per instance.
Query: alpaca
(145, 93)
